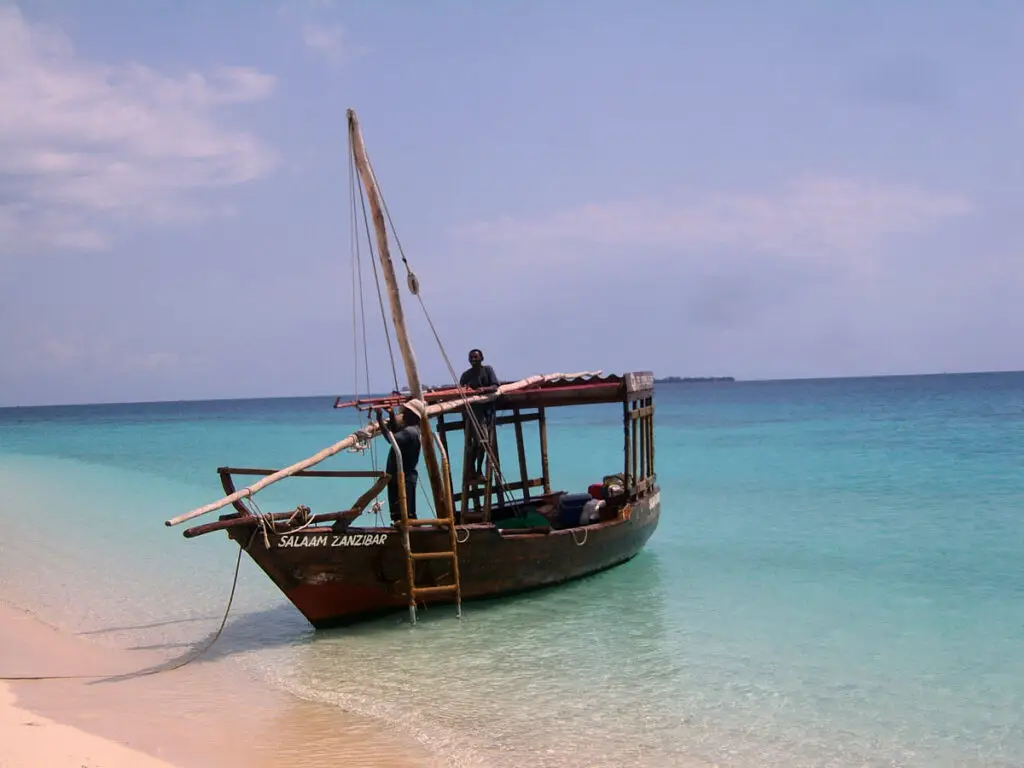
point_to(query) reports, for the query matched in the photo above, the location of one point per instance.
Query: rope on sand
(177, 664)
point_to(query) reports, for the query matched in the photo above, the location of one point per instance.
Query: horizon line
(382, 393)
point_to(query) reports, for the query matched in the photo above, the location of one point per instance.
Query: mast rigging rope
(414, 288)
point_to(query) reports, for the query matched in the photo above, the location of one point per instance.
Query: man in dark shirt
(478, 376)
(408, 439)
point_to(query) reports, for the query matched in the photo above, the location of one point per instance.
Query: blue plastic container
(570, 506)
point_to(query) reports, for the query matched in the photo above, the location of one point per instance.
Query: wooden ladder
(412, 557)
(405, 524)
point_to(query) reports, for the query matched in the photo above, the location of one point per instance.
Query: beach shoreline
(30, 740)
(203, 714)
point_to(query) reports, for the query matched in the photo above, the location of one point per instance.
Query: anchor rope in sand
(145, 671)
(264, 519)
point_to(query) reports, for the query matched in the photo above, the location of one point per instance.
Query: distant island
(691, 379)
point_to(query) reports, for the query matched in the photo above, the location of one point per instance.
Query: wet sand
(202, 715)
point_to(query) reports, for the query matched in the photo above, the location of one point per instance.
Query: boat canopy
(577, 390)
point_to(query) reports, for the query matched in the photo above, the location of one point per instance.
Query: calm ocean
(837, 579)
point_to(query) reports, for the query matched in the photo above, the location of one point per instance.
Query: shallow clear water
(836, 579)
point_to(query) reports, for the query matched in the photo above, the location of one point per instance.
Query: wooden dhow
(505, 531)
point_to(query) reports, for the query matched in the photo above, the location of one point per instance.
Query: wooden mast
(362, 163)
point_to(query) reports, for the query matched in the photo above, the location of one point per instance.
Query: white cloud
(810, 219)
(156, 362)
(325, 39)
(84, 145)
(60, 354)
(329, 41)
(74, 351)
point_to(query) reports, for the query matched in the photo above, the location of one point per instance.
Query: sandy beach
(198, 716)
(30, 740)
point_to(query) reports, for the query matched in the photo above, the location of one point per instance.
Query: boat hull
(339, 578)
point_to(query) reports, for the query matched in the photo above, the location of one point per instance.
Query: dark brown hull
(340, 578)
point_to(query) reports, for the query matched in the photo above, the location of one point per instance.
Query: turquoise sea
(837, 579)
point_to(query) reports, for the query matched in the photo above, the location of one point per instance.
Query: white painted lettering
(291, 540)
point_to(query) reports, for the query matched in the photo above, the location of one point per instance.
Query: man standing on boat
(478, 376)
(408, 440)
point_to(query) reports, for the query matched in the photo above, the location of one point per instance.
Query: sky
(737, 189)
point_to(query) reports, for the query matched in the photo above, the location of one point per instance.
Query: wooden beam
(650, 436)
(639, 413)
(460, 424)
(521, 450)
(625, 445)
(542, 427)
(634, 447)
(362, 163)
(492, 437)
(301, 473)
(235, 521)
(442, 432)
(536, 482)
(642, 426)
(371, 494)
